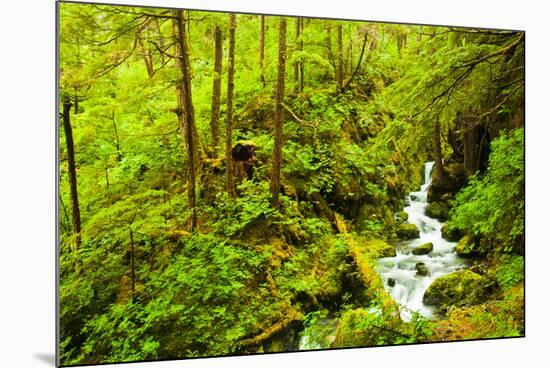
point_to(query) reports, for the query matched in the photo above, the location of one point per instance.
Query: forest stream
(399, 273)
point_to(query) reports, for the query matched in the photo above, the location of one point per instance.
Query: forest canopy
(238, 183)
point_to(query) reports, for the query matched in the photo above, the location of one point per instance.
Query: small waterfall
(408, 287)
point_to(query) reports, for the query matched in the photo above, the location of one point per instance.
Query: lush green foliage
(142, 284)
(492, 205)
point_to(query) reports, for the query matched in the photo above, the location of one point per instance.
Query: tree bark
(354, 73)
(277, 149)
(262, 49)
(470, 149)
(216, 94)
(438, 176)
(302, 62)
(296, 62)
(75, 208)
(230, 186)
(146, 53)
(328, 42)
(340, 70)
(186, 111)
(374, 40)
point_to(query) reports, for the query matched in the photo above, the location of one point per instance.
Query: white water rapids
(409, 287)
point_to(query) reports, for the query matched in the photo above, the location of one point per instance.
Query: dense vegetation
(171, 247)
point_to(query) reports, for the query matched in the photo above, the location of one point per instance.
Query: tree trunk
(302, 62)
(328, 42)
(216, 94)
(160, 39)
(75, 208)
(438, 176)
(470, 149)
(262, 49)
(277, 149)
(373, 42)
(230, 187)
(354, 73)
(296, 62)
(147, 57)
(340, 71)
(399, 43)
(186, 111)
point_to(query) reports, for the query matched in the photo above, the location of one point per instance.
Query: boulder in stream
(452, 235)
(466, 246)
(408, 231)
(437, 210)
(423, 249)
(380, 248)
(421, 269)
(402, 216)
(460, 288)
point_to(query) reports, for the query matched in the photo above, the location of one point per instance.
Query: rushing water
(408, 287)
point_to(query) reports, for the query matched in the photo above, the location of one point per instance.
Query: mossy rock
(423, 249)
(408, 231)
(421, 269)
(460, 288)
(466, 246)
(438, 210)
(402, 216)
(452, 235)
(380, 249)
(360, 327)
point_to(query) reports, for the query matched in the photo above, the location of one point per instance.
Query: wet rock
(408, 231)
(460, 288)
(437, 210)
(421, 269)
(452, 235)
(423, 249)
(391, 282)
(466, 246)
(401, 216)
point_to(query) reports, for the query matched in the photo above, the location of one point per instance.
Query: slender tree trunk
(75, 208)
(350, 51)
(277, 149)
(296, 62)
(340, 71)
(262, 49)
(107, 185)
(328, 41)
(230, 186)
(187, 113)
(374, 40)
(302, 62)
(147, 57)
(75, 102)
(470, 149)
(117, 140)
(438, 176)
(354, 73)
(67, 223)
(160, 39)
(216, 94)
